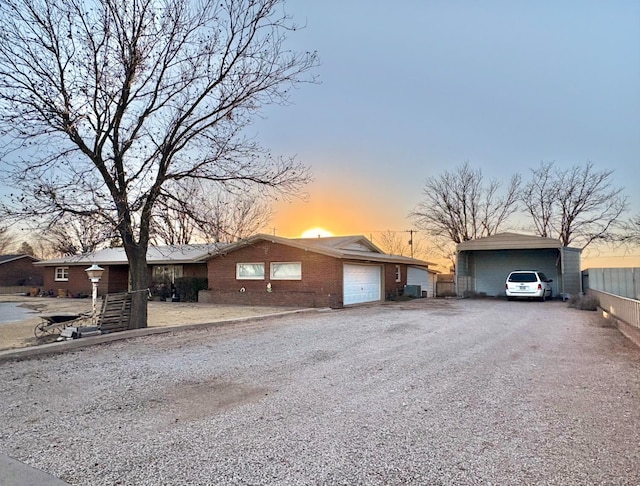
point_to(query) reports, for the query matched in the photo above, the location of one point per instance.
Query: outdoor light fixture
(94, 272)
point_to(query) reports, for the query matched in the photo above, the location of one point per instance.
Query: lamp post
(94, 272)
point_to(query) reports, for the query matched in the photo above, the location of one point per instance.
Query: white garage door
(362, 283)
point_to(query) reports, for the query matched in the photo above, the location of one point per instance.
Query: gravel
(423, 392)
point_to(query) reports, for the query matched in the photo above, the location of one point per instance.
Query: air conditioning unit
(413, 290)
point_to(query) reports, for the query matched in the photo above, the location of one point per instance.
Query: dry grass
(584, 302)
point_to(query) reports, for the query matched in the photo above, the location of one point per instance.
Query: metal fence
(622, 308)
(624, 282)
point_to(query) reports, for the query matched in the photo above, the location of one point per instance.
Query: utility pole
(411, 231)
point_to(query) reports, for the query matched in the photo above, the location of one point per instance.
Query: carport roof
(509, 241)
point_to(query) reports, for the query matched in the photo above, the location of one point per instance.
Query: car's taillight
(539, 286)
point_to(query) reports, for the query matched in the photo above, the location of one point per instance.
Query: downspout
(562, 268)
(455, 277)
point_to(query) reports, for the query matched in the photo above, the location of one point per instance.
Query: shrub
(584, 302)
(160, 291)
(187, 288)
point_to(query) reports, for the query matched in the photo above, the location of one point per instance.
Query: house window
(286, 271)
(167, 273)
(62, 274)
(398, 274)
(250, 271)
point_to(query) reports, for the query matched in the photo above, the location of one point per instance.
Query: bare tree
(539, 197)
(6, 239)
(43, 248)
(461, 206)
(206, 212)
(445, 249)
(173, 219)
(105, 102)
(578, 205)
(403, 243)
(26, 249)
(393, 243)
(73, 235)
(230, 217)
(628, 237)
(633, 228)
(633, 234)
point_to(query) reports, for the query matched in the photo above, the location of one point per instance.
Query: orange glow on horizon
(316, 233)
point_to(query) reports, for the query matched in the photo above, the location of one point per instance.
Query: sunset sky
(412, 88)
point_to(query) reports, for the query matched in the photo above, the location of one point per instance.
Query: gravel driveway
(423, 392)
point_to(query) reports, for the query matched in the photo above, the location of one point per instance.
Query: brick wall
(78, 282)
(391, 287)
(194, 270)
(114, 279)
(320, 286)
(21, 272)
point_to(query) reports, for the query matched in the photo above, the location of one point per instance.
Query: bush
(584, 302)
(161, 291)
(187, 288)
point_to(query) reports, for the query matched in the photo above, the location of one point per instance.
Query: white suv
(528, 284)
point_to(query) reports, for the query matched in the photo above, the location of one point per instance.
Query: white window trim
(239, 277)
(398, 274)
(65, 271)
(285, 278)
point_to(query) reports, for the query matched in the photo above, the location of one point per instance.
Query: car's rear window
(523, 277)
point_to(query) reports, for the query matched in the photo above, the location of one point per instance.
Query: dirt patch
(198, 399)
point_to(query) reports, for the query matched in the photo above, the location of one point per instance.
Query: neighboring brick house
(18, 270)
(308, 272)
(67, 275)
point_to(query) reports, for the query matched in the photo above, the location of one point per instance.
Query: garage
(362, 283)
(482, 265)
(331, 271)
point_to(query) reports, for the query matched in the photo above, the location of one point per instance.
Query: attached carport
(482, 265)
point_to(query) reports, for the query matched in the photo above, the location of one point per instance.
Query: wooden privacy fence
(445, 285)
(622, 309)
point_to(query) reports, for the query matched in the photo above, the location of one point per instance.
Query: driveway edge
(20, 354)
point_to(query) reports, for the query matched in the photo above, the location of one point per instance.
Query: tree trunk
(139, 276)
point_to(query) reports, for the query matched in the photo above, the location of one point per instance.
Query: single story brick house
(310, 272)
(18, 270)
(483, 264)
(67, 275)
